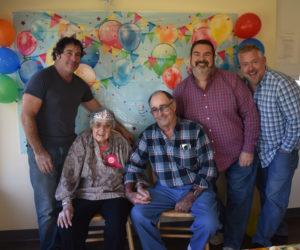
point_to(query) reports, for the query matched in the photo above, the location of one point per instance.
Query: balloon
(108, 33)
(7, 33)
(86, 73)
(129, 36)
(38, 29)
(9, 61)
(252, 41)
(49, 58)
(247, 25)
(122, 72)
(69, 30)
(221, 27)
(171, 77)
(26, 43)
(166, 55)
(28, 68)
(8, 89)
(91, 56)
(203, 33)
(168, 34)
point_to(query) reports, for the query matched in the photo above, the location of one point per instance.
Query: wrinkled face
(101, 131)
(253, 65)
(163, 110)
(68, 61)
(202, 58)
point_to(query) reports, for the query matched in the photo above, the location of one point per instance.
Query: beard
(202, 68)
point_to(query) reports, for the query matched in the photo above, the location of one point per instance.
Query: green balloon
(8, 89)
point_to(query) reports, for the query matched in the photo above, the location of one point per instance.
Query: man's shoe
(278, 240)
(227, 248)
(217, 239)
(257, 245)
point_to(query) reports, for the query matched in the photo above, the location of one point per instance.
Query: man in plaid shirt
(277, 97)
(181, 157)
(221, 102)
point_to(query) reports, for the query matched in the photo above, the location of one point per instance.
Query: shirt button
(204, 94)
(206, 107)
(212, 141)
(209, 130)
(207, 118)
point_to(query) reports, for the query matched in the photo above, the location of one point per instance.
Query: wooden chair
(176, 231)
(99, 233)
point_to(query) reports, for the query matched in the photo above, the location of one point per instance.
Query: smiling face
(68, 61)
(253, 65)
(101, 131)
(163, 110)
(202, 58)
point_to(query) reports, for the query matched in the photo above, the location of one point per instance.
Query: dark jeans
(114, 211)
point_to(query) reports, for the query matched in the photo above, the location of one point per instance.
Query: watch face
(196, 193)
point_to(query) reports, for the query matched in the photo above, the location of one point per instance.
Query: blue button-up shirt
(185, 159)
(278, 102)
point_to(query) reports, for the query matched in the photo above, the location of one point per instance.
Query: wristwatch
(196, 193)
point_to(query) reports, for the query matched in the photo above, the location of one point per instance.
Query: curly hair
(63, 42)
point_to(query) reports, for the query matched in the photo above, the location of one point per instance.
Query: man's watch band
(196, 193)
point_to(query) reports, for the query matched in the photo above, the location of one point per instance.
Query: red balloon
(171, 77)
(247, 25)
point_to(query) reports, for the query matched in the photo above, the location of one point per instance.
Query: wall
(16, 197)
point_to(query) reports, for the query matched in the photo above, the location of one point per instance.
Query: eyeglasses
(162, 108)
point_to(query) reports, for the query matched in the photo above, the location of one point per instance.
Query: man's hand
(65, 216)
(43, 160)
(245, 159)
(142, 196)
(185, 203)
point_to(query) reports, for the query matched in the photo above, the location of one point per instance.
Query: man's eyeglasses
(162, 108)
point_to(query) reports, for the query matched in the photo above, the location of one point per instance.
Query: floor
(171, 244)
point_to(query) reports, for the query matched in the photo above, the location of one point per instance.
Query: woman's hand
(65, 216)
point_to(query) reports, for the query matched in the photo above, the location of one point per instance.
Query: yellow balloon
(49, 58)
(221, 27)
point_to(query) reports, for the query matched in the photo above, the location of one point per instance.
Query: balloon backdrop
(221, 27)
(204, 33)
(26, 43)
(7, 33)
(9, 61)
(171, 77)
(168, 34)
(122, 72)
(28, 68)
(49, 58)
(91, 56)
(39, 29)
(129, 36)
(247, 25)
(8, 89)
(86, 73)
(108, 33)
(252, 41)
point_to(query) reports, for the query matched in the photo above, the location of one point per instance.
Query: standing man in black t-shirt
(50, 103)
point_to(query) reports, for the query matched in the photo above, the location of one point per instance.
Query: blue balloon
(28, 68)
(9, 61)
(91, 56)
(252, 41)
(129, 36)
(122, 72)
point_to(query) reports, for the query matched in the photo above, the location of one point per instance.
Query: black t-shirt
(56, 118)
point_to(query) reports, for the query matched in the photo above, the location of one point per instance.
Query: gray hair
(102, 114)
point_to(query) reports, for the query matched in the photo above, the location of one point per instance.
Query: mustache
(202, 62)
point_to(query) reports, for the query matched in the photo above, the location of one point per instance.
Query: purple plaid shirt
(225, 109)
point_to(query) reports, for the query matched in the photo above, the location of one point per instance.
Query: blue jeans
(44, 187)
(274, 183)
(240, 188)
(204, 210)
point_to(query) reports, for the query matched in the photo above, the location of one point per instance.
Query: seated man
(181, 157)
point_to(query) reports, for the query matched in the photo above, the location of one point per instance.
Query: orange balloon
(7, 33)
(168, 34)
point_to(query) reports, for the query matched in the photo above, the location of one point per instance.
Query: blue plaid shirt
(278, 102)
(186, 159)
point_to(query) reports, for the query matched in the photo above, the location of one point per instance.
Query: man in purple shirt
(222, 103)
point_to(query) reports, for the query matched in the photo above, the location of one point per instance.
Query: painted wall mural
(128, 55)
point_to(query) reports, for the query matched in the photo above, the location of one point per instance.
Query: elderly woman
(92, 182)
